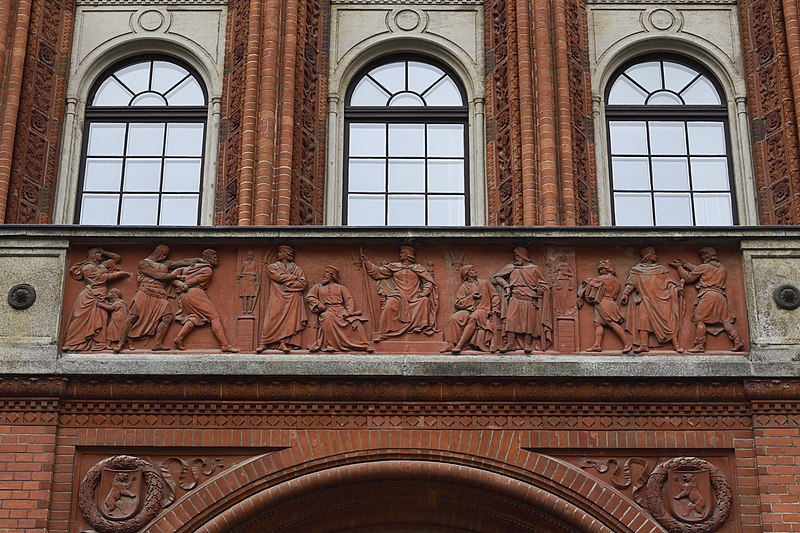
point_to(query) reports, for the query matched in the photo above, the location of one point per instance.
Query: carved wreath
(654, 496)
(154, 486)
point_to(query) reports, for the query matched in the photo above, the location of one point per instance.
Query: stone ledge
(523, 366)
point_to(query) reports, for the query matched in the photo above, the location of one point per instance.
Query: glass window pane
(445, 175)
(677, 76)
(392, 76)
(188, 92)
(142, 175)
(630, 173)
(407, 210)
(366, 210)
(444, 93)
(633, 209)
(701, 92)
(647, 74)
(102, 174)
(445, 140)
(181, 175)
(710, 174)
(625, 92)
(707, 138)
(367, 140)
(367, 175)
(145, 139)
(422, 75)
(179, 209)
(407, 175)
(368, 93)
(713, 209)
(149, 99)
(670, 173)
(664, 98)
(628, 138)
(673, 209)
(136, 77)
(99, 209)
(667, 138)
(139, 210)
(406, 100)
(446, 210)
(106, 139)
(166, 75)
(185, 139)
(112, 93)
(406, 139)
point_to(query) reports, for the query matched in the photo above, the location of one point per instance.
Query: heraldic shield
(690, 495)
(119, 495)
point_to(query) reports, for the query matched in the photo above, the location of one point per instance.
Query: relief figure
(711, 311)
(118, 321)
(150, 312)
(526, 316)
(340, 325)
(120, 496)
(248, 284)
(563, 287)
(602, 293)
(411, 296)
(86, 329)
(286, 316)
(478, 306)
(657, 303)
(195, 308)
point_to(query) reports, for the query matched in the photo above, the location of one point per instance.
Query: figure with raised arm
(711, 311)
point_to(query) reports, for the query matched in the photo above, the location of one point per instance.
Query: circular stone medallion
(407, 20)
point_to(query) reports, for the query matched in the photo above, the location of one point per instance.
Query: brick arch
(543, 488)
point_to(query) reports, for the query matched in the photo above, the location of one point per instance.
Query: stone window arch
(143, 145)
(406, 145)
(669, 148)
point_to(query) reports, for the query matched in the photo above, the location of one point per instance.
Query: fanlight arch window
(669, 146)
(143, 146)
(406, 146)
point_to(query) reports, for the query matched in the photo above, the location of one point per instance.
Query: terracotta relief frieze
(467, 300)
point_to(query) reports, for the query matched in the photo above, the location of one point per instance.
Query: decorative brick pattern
(41, 113)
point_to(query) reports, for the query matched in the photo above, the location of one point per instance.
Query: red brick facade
(323, 451)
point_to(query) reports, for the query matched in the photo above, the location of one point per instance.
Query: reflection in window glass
(144, 167)
(406, 158)
(667, 128)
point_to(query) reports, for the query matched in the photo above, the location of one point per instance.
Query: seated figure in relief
(340, 325)
(478, 304)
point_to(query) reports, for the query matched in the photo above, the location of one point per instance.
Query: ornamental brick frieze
(462, 299)
(122, 493)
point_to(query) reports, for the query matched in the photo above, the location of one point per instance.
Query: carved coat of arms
(119, 495)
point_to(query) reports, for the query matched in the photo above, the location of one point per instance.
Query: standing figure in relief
(195, 308)
(86, 329)
(602, 292)
(471, 326)
(411, 296)
(711, 311)
(657, 304)
(528, 324)
(340, 325)
(248, 284)
(118, 322)
(150, 313)
(286, 316)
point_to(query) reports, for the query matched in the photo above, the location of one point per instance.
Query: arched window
(143, 146)
(670, 156)
(406, 138)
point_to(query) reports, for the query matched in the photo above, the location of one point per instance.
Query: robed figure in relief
(340, 325)
(527, 321)
(86, 329)
(657, 303)
(409, 296)
(478, 306)
(285, 316)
